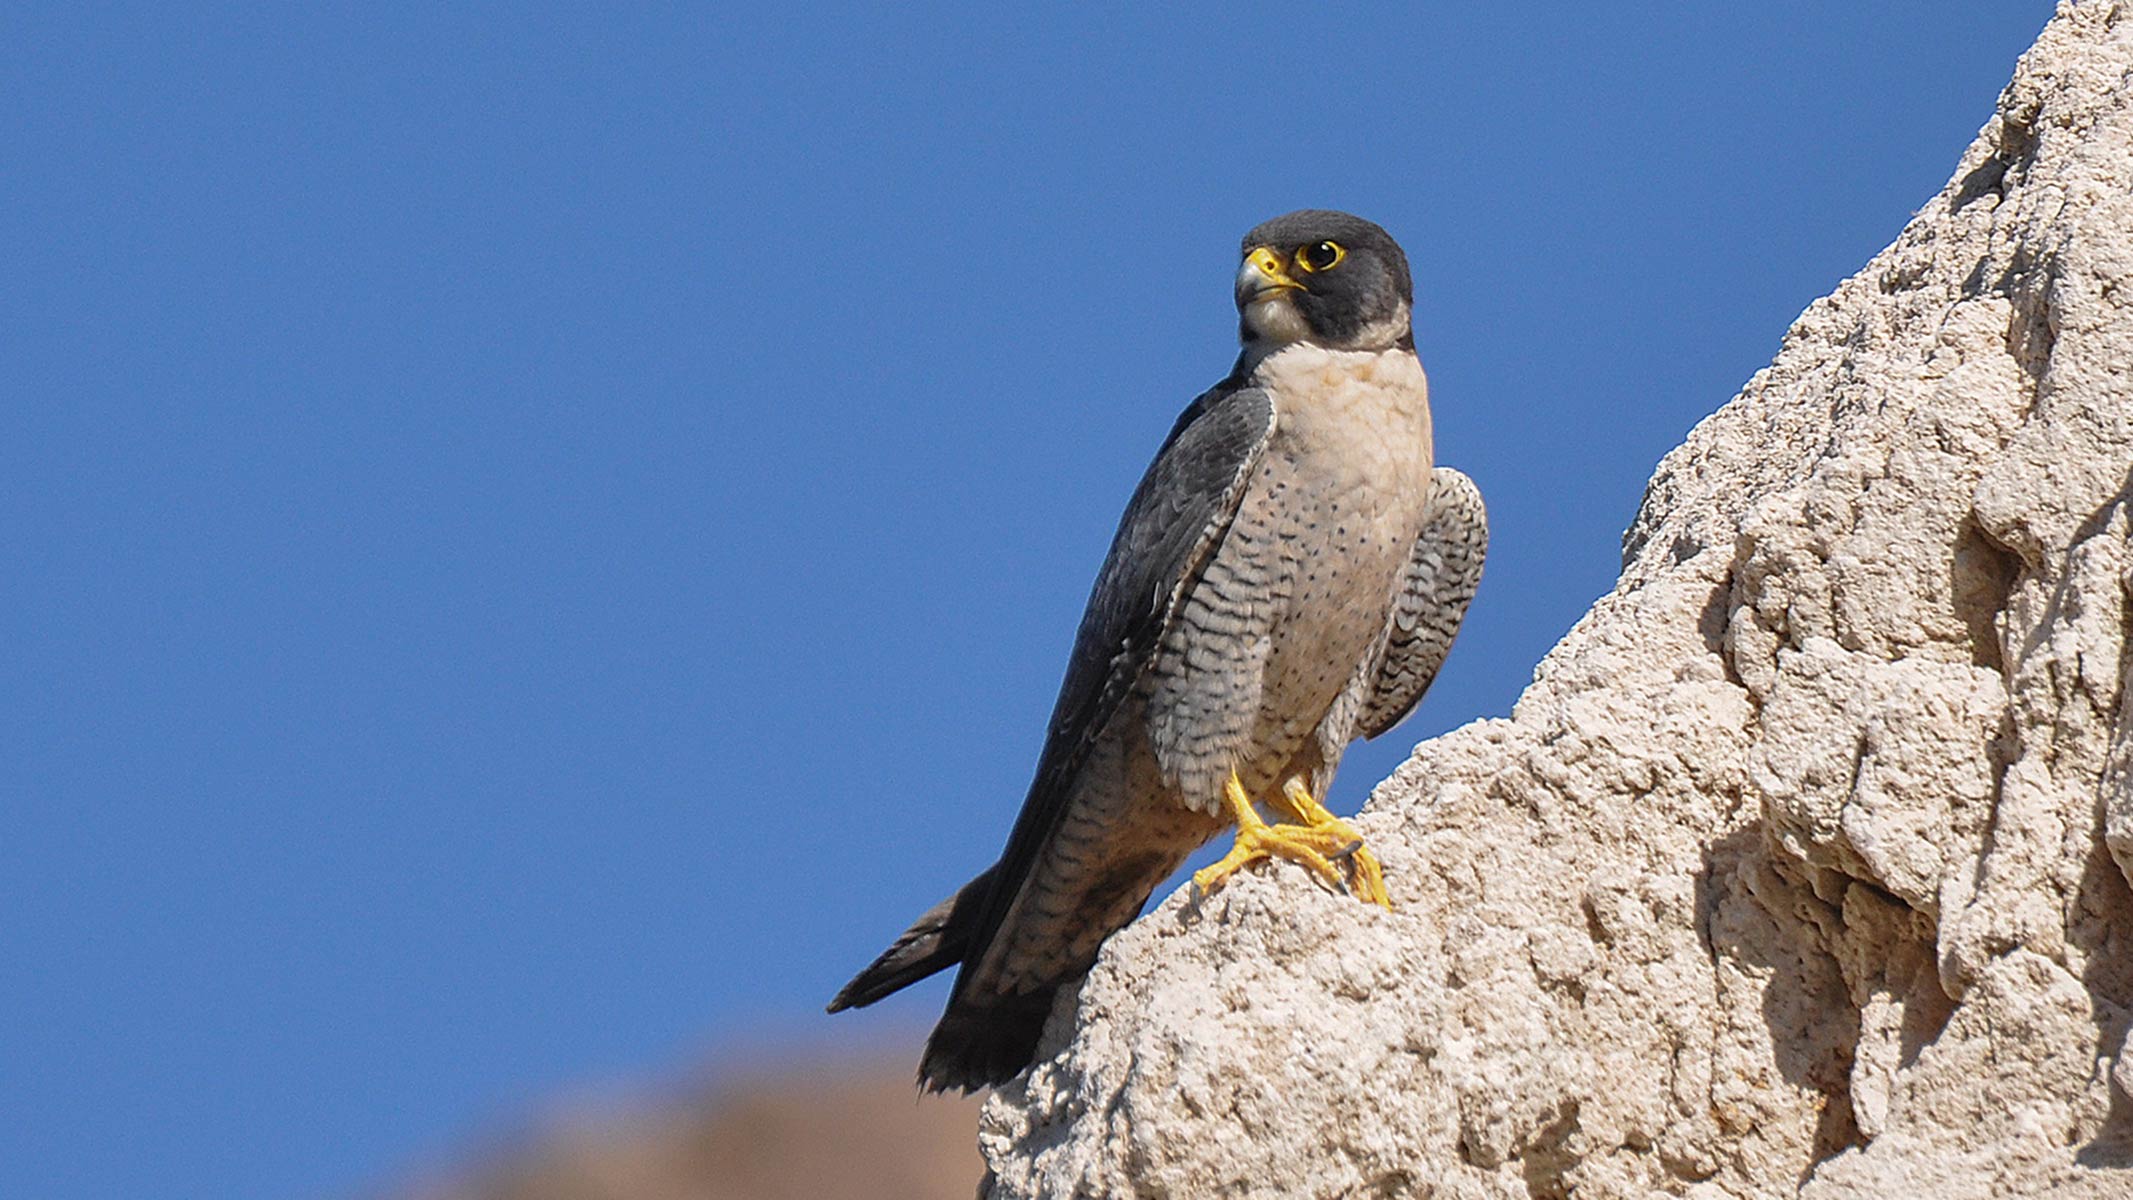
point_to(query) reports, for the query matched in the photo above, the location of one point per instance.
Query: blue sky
(536, 539)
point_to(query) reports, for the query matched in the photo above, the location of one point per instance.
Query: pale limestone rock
(1801, 868)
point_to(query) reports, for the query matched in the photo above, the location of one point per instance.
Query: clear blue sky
(535, 539)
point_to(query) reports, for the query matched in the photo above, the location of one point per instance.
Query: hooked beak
(1262, 277)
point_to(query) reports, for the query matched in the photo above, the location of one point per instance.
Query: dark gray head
(1327, 278)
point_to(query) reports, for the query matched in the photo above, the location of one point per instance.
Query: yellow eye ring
(1324, 256)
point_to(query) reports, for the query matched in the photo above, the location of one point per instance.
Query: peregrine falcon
(1288, 576)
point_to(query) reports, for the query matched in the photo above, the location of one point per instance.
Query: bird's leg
(1365, 877)
(1315, 844)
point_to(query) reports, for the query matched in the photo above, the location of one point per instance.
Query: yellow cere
(1271, 266)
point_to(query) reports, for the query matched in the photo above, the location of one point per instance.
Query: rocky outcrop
(1802, 866)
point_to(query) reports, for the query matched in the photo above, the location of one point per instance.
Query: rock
(786, 1127)
(1802, 866)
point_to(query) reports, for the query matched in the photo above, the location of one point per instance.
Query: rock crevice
(1802, 866)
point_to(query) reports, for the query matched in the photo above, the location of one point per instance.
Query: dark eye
(1323, 257)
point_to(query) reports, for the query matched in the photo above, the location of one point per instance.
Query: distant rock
(805, 1132)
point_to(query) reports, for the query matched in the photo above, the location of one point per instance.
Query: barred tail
(984, 1040)
(935, 942)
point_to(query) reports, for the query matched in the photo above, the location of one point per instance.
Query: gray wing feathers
(1441, 578)
(1177, 516)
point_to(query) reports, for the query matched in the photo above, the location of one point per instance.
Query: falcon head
(1326, 278)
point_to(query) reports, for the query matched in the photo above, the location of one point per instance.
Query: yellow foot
(1319, 842)
(1366, 878)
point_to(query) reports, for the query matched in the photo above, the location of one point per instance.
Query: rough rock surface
(1801, 868)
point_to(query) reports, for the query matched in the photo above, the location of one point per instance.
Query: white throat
(1270, 325)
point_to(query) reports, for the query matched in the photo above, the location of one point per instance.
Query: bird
(1288, 576)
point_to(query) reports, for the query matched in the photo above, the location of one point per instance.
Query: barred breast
(1297, 594)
